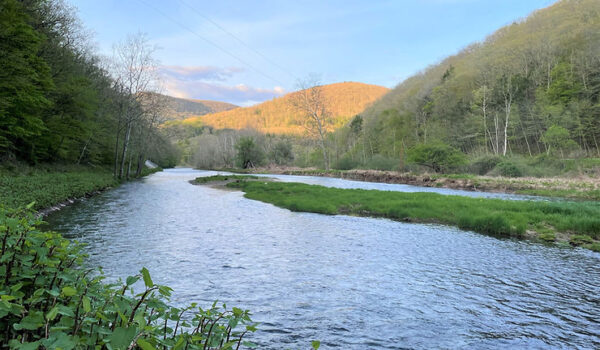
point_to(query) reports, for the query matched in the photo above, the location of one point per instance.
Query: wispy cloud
(209, 73)
(209, 83)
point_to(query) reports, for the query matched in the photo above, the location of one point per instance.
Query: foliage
(508, 169)
(558, 138)
(49, 299)
(49, 186)
(249, 154)
(57, 101)
(490, 216)
(345, 163)
(219, 178)
(483, 165)
(24, 81)
(282, 154)
(379, 162)
(439, 157)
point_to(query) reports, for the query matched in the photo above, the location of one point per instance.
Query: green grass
(50, 185)
(219, 178)
(488, 216)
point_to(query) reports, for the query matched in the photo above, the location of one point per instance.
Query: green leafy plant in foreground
(49, 299)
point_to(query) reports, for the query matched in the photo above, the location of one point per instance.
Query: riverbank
(576, 223)
(580, 188)
(51, 188)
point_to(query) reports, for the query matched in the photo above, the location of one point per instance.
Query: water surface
(353, 283)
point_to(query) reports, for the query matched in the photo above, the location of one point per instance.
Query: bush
(282, 154)
(50, 300)
(484, 164)
(508, 169)
(379, 162)
(345, 163)
(437, 156)
(249, 154)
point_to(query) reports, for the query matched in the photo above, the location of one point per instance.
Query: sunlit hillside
(344, 100)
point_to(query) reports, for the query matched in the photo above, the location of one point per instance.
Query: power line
(238, 39)
(211, 42)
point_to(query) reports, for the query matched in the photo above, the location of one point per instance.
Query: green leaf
(86, 304)
(316, 344)
(69, 291)
(147, 280)
(122, 337)
(51, 315)
(145, 345)
(132, 279)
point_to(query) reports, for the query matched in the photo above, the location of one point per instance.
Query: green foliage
(249, 154)
(485, 164)
(490, 216)
(379, 162)
(24, 81)
(345, 163)
(581, 240)
(282, 154)
(49, 299)
(50, 186)
(437, 156)
(220, 178)
(508, 169)
(558, 138)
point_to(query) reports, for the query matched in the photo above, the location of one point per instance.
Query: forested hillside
(181, 108)
(532, 87)
(343, 100)
(60, 103)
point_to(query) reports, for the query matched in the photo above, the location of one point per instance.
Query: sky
(245, 52)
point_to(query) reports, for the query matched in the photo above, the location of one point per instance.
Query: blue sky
(376, 42)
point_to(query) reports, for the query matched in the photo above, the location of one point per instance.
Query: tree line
(61, 102)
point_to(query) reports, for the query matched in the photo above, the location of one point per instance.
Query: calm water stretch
(353, 283)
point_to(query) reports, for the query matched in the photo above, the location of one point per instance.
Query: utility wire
(211, 42)
(238, 39)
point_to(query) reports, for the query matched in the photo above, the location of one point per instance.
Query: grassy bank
(575, 222)
(580, 188)
(48, 186)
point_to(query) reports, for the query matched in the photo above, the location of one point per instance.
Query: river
(353, 283)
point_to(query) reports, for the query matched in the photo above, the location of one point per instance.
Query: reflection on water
(353, 283)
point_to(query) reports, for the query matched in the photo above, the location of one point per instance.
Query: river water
(353, 283)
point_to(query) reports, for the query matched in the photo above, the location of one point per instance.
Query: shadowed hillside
(181, 108)
(344, 100)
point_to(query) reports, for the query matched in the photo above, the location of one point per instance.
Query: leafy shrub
(379, 162)
(437, 156)
(249, 153)
(282, 154)
(508, 169)
(484, 164)
(50, 300)
(345, 163)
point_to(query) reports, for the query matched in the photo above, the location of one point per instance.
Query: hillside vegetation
(278, 116)
(181, 108)
(532, 87)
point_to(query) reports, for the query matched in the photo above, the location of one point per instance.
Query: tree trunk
(124, 152)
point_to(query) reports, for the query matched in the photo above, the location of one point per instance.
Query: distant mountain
(344, 100)
(181, 108)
